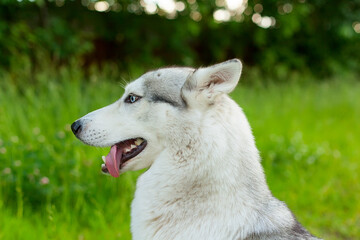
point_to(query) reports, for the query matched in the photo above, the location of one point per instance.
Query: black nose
(76, 127)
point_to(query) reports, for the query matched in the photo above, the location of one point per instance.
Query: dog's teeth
(133, 146)
(138, 141)
(104, 159)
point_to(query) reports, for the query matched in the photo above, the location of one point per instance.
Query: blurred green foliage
(316, 37)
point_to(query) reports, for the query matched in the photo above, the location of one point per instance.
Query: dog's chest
(161, 210)
(158, 209)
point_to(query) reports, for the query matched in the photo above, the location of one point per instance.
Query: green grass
(51, 186)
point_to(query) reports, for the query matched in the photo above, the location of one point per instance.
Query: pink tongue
(113, 160)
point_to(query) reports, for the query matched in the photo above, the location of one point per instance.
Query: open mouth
(120, 153)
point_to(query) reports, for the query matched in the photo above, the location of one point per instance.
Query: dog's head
(136, 125)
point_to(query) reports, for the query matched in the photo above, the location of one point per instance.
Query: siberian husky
(205, 180)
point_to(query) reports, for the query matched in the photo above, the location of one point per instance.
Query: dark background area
(318, 37)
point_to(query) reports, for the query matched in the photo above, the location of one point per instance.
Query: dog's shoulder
(295, 232)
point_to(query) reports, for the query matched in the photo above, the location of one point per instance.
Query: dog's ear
(207, 83)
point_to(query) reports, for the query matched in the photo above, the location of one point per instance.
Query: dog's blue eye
(132, 98)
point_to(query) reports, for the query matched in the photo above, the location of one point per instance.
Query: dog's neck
(203, 154)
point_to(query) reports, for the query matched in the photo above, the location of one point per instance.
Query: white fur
(205, 180)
